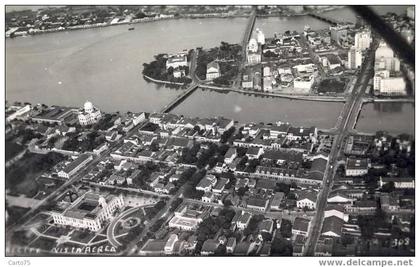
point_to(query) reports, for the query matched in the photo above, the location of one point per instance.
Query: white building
(399, 182)
(307, 199)
(354, 58)
(362, 40)
(385, 60)
(304, 82)
(89, 211)
(260, 37)
(253, 52)
(213, 71)
(383, 84)
(89, 114)
(176, 61)
(19, 112)
(356, 167)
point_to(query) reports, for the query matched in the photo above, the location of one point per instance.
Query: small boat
(131, 28)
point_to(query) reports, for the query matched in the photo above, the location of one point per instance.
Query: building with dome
(253, 52)
(89, 114)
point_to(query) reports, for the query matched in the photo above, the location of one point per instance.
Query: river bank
(168, 17)
(161, 81)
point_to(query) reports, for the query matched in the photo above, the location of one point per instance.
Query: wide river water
(104, 66)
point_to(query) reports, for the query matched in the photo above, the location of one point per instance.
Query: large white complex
(385, 60)
(89, 211)
(89, 114)
(383, 84)
(354, 58)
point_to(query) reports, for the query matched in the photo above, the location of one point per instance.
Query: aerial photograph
(209, 130)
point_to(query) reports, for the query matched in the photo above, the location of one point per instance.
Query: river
(104, 65)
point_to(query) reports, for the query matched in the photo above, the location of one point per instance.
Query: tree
(242, 190)
(286, 228)
(281, 247)
(175, 204)
(227, 134)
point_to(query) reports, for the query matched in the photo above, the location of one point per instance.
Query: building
(75, 166)
(356, 167)
(153, 247)
(169, 246)
(332, 226)
(188, 217)
(383, 84)
(243, 220)
(260, 37)
(176, 61)
(21, 111)
(253, 52)
(304, 82)
(179, 73)
(307, 199)
(333, 61)
(230, 155)
(207, 183)
(338, 33)
(213, 71)
(276, 201)
(385, 60)
(337, 211)
(247, 80)
(230, 245)
(362, 40)
(399, 182)
(354, 58)
(209, 247)
(301, 226)
(89, 211)
(89, 114)
(255, 203)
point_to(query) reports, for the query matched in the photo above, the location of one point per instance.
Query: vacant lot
(332, 86)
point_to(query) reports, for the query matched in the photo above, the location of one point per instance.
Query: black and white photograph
(192, 130)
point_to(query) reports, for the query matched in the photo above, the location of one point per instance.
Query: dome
(88, 106)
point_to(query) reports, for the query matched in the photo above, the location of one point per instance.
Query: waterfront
(394, 118)
(104, 65)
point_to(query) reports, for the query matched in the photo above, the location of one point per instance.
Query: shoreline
(169, 17)
(147, 78)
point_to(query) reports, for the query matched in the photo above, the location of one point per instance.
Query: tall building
(362, 40)
(338, 33)
(89, 114)
(385, 60)
(89, 211)
(383, 84)
(253, 52)
(260, 37)
(354, 58)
